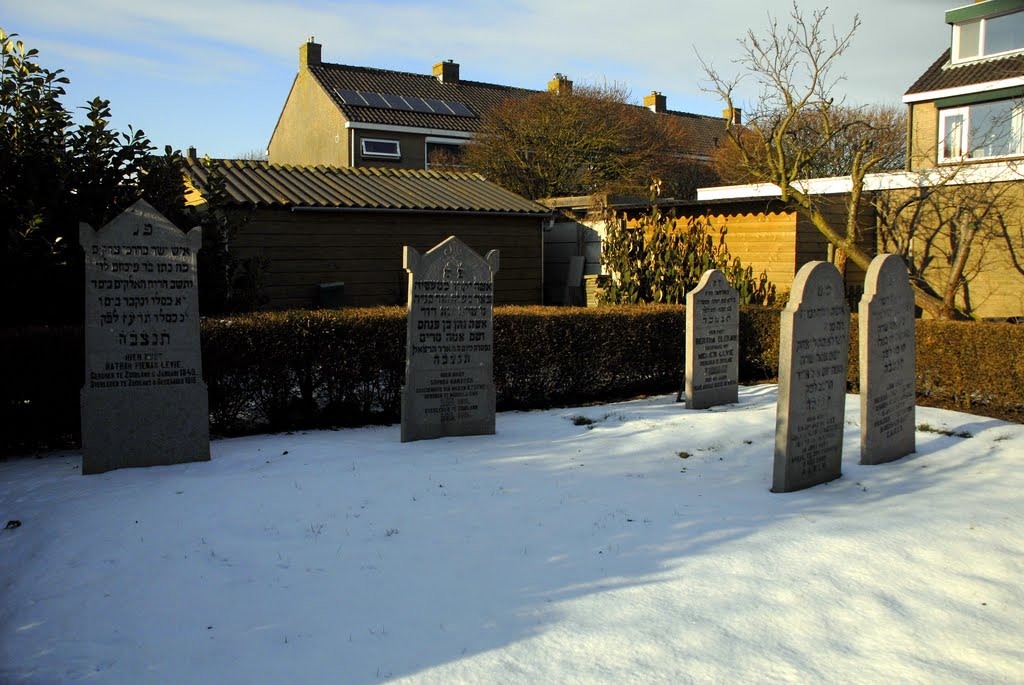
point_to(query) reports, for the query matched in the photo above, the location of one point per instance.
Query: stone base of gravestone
(449, 379)
(144, 402)
(888, 384)
(813, 357)
(712, 342)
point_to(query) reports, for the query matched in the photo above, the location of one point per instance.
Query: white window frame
(438, 141)
(1016, 131)
(982, 39)
(956, 41)
(397, 154)
(964, 128)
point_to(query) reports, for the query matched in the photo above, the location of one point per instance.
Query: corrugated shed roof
(281, 185)
(942, 75)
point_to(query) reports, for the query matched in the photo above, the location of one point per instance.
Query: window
(981, 131)
(380, 149)
(988, 36)
(446, 154)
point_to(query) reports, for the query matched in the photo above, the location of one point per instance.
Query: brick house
(349, 116)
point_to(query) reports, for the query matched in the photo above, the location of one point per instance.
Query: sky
(215, 75)
(638, 544)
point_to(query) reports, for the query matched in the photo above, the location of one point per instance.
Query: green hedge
(306, 369)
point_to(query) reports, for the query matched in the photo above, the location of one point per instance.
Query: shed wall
(364, 251)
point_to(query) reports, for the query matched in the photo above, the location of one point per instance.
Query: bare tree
(255, 155)
(797, 121)
(887, 123)
(950, 226)
(587, 140)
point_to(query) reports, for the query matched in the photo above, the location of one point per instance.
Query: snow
(550, 552)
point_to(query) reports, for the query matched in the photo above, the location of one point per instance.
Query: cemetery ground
(626, 543)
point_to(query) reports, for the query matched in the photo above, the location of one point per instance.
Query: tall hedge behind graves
(307, 369)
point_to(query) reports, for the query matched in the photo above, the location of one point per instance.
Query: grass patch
(928, 428)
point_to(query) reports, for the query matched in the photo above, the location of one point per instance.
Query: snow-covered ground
(642, 548)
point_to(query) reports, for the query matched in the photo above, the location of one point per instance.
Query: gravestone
(144, 402)
(449, 367)
(813, 356)
(888, 388)
(712, 342)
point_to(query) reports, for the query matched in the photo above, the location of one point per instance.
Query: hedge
(308, 369)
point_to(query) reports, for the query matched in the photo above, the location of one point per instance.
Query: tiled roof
(279, 185)
(942, 75)
(704, 133)
(478, 97)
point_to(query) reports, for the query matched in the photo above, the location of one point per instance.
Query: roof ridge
(431, 77)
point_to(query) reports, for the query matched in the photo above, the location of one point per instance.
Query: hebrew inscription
(813, 358)
(449, 381)
(144, 401)
(888, 387)
(712, 347)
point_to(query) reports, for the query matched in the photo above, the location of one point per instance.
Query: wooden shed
(334, 236)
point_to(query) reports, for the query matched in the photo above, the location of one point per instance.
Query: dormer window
(988, 36)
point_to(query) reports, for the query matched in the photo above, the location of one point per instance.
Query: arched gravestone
(813, 356)
(712, 342)
(888, 388)
(144, 402)
(449, 367)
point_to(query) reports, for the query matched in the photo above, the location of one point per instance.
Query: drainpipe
(351, 147)
(910, 135)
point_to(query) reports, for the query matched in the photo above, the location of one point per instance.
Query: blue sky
(215, 74)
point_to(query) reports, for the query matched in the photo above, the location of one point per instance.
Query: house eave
(446, 133)
(927, 96)
(994, 172)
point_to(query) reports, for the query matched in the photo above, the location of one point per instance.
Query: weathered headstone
(888, 389)
(813, 356)
(449, 368)
(712, 342)
(144, 402)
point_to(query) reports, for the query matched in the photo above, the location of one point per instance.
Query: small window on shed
(381, 149)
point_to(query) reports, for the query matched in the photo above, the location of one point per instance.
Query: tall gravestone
(144, 402)
(712, 342)
(888, 388)
(813, 356)
(449, 368)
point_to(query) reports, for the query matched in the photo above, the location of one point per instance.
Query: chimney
(309, 53)
(734, 115)
(656, 102)
(447, 72)
(191, 152)
(560, 85)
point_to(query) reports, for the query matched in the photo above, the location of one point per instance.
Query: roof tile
(705, 131)
(942, 75)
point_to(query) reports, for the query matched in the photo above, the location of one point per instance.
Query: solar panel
(460, 109)
(350, 97)
(406, 103)
(375, 100)
(438, 106)
(396, 102)
(418, 105)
